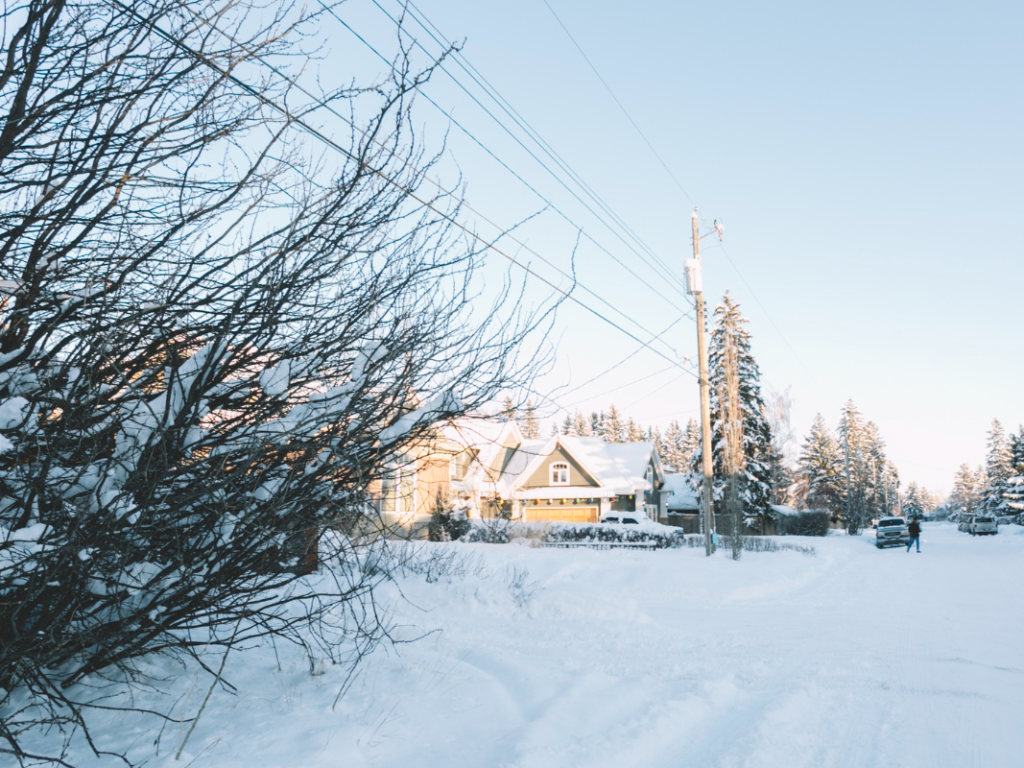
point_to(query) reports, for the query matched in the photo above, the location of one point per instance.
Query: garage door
(562, 514)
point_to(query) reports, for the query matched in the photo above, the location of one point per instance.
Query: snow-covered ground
(854, 657)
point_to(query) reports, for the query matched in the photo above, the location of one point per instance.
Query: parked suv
(983, 525)
(891, 531)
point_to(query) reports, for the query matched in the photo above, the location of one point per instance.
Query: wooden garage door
(562, 514)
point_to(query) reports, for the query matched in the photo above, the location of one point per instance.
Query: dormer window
(560, 473)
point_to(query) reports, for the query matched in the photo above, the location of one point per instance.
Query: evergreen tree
(821, 468)
(528, 423)
(998, 470)
(966, 495)
(508, 409)
(913, 504)
(568, 426)
(613, 429)
(671, 455)
(1013, 494)
(750, 430)
(581, 426)
(634, 434)
(597, 424)
(689, 445)
(854, 447)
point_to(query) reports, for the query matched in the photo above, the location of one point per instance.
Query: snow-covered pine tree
(1013, 495)
(821, 468)
(913, 504)
(634, 434)
(966, 495)
(568, 426)
(581, 425)
(689, 443)
(730, 340)
(528, 423)
(613, 429)
(672, 455)
(597, 424)
(855, 486)
(998, 470)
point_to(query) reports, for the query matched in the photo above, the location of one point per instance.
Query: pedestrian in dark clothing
(914, 529)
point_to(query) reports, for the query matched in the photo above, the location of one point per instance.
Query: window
(560, 473)
(398, 490)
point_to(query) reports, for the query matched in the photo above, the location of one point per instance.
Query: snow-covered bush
(449, 521)
(213, 337)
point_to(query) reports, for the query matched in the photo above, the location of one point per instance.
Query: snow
(683, 496)
(530, 658)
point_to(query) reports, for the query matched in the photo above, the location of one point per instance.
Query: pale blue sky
(865, 158)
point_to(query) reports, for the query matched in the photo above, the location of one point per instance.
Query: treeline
(845, 471)
(998, 487)
(848, 473)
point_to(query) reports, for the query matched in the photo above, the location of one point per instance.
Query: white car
(983, 525)
(626, 518)
(891, 531)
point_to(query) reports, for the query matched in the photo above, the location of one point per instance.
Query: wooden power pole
(696, 289)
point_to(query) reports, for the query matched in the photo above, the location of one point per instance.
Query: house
(491, 470)
(561, 478)
(682, 504)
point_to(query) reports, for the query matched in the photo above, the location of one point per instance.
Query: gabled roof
(617, 467)
(485, 436)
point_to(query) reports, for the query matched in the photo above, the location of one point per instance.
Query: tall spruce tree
(998, 470)
(690, 445)
(853, 444)
(738, 415)
(1013, 495)
(821, 468)
(966, 495)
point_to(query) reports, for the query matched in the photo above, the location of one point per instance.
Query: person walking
(914, 529)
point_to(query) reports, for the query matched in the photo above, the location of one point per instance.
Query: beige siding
(432, 480)
(541, 478)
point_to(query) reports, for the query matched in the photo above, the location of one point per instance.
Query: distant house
(491, 470)
(582, 479)
(682, 504)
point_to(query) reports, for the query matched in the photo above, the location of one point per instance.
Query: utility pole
(696, 289)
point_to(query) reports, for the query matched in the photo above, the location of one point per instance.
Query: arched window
(560, 473)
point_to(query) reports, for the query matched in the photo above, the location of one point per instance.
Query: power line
(459, 58)
(327, 141)
(461, 201)
(616, 99)
(668, 170)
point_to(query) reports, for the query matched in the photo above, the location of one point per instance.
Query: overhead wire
(668, 170)
(460, 200)
(460, 58)
(330, 143)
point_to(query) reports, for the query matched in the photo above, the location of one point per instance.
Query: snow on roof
(618, 467)
(682, 494)
(784, 511)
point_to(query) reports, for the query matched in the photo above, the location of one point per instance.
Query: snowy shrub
(447, 522)
(519, 585)
(661, 536)
(213, 339)
(491, 530)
